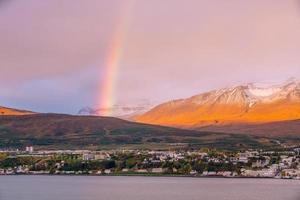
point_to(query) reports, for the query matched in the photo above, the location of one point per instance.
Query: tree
(130, 163)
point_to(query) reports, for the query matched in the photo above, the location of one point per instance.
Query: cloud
(45, 38)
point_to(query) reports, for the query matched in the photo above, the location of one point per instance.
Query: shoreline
(149, 175)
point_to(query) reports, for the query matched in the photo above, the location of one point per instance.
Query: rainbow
(110, 76)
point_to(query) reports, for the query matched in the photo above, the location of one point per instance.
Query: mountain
(60, 131)
(120, 111)
(56, 131)
(11, 111)
(246, 104)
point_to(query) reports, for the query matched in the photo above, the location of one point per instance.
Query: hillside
(271, 129)
(67, 131)
(57, 131)
(245, 104)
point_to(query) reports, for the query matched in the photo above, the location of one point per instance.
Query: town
(283, 164)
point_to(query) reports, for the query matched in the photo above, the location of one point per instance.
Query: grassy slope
(54, 130)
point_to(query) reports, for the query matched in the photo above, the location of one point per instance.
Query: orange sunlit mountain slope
(11, 111)
(250, 103)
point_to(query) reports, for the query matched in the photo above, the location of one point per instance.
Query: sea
(145, 188)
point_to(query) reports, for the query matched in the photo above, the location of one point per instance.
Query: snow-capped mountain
(120, 111)
(247, 103)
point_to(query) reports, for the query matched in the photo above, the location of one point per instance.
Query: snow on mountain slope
(262, 91)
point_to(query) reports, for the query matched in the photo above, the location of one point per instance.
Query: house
(141, 170)
(157, 170)
(88, 156)
(193, 172)
(29, 149)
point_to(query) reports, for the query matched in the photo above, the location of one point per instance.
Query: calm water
(144, 188)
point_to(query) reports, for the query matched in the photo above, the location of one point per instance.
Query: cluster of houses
(288, 167)
(253, 163)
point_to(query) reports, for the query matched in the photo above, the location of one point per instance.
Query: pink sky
(55, 50)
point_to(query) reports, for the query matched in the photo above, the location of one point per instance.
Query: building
(29, 149)
(88, 156)
(157, 170)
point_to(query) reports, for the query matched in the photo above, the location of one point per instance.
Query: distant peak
(118, 110)
(292, 79)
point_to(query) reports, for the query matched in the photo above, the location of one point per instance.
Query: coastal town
(284, 164)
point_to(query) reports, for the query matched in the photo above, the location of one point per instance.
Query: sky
(61, 55)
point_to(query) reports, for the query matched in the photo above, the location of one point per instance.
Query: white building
(88, 156)
(157, 170)
(29, 149)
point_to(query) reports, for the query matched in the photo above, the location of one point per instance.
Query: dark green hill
(68, 131)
